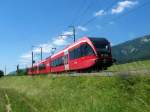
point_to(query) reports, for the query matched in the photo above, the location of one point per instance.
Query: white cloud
(62, 40)
(82, 28)
(26, 58)
(100, 13)
(27, 55)
(121, 6)
(46, 47)
(58, 41)
(67, 33)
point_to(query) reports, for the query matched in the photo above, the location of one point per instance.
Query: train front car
(102, 48)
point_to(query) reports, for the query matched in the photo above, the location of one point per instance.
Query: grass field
(77, 94)
(138, 65)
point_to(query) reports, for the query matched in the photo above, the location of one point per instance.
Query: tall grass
(75, 94)
(134, 66)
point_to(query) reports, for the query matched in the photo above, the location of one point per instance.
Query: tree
(1, 73)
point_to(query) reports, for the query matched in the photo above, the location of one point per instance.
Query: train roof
(99, 40)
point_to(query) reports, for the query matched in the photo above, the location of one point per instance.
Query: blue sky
(24, 23)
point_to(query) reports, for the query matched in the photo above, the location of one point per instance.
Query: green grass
(75, 94)
(138, 65)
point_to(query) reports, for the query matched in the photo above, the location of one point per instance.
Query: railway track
(106, 73)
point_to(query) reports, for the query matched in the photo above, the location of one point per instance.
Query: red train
(83, 55)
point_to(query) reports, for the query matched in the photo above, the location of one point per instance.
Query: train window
(57, 62)
(42, 67)
(54, 62)
(71, 55)
(75, 53)
(102, 45)
(78, 53)
(86, 50)
(89, 50)
(33, 69)
(61, 60)
(83, 50)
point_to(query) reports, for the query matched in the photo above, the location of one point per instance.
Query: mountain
(132, 50)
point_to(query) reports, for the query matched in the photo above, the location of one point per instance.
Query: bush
(22, 72)
(1, 73)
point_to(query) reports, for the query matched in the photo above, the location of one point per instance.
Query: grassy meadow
(134, 66)
(119, 93)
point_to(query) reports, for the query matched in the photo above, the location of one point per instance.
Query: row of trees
(19, 72)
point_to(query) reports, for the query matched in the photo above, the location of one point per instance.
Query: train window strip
(57, 62)
(83, 50)
(42, 66)
(33, 69)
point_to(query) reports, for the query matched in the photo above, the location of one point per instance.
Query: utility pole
(32, 59)
(41, 53)
(74, 33)
(17, 69)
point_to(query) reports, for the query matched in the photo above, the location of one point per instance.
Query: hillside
(133, 50)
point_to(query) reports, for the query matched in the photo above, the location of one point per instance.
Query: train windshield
(102, 45)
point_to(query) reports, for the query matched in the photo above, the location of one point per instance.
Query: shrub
(1, 73)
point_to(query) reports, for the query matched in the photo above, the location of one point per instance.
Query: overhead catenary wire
(85, 10)
(80, 10)
(89, 6)
(129, 12)
(93, 18)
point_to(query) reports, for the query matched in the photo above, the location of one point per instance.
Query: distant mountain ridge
(132, 50)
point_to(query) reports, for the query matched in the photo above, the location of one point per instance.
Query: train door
(66, 64)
